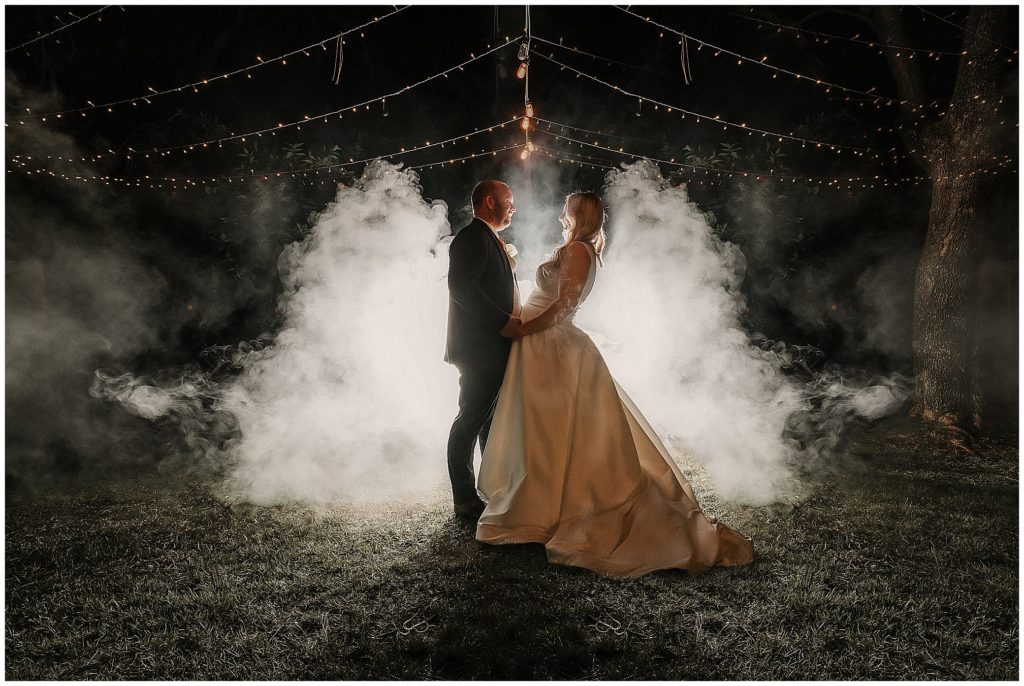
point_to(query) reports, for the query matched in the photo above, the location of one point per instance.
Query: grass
(900, 563)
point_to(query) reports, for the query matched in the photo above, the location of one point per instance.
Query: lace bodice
(545, 288)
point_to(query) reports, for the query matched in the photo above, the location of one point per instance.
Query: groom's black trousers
(479, 384)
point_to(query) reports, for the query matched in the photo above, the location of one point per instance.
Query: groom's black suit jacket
(481, 297)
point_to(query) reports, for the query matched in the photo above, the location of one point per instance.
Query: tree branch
(983, 67)
(908, 75)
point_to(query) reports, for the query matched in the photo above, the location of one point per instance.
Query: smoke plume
(350, 399)
(353, 397)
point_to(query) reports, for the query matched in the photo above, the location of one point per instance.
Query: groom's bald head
(488, 188)
(492, 202)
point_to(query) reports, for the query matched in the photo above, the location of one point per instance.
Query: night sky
(806, 247)
(122, 53)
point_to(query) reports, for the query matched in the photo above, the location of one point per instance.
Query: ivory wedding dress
(571, 463)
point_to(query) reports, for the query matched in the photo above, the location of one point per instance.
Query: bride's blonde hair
(583, 218)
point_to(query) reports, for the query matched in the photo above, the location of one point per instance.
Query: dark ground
(903, 564)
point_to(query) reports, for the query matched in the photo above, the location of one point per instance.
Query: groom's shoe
(470, 510)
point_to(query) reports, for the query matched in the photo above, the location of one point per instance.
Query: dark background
(171, 272)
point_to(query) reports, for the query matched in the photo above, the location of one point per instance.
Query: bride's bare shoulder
(579, 255)
(578, 249)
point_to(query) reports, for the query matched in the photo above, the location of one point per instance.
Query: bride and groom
(568, 460)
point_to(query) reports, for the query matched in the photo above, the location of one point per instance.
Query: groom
(483, 317)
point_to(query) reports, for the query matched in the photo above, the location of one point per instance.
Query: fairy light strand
(920, 111)
(851, 39)
(597, 133)
(832, 182)
(694, 167)
(58, 29)
(999, 162)
(186, 147)
(20, 158)
(152, 93)
(563, 126)
(717, 120)
(465, 158)
(188, 183)
(561, 44)
(965, 29)
(827, 85)
(558, 155)
(873, 99)
(554, 124)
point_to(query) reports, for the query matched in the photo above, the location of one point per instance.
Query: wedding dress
(571, 463)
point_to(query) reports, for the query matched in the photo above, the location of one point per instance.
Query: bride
(570, 462)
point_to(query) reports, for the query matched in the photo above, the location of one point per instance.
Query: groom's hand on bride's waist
(513, 328)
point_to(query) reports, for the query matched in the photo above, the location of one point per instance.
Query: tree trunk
(954, 151)
(943, 297)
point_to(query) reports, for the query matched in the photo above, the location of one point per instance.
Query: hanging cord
(684, 57)
(524, 57)
(526, 92)
(59, 29)
(339, 59)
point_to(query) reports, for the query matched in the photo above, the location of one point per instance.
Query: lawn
(899, 562)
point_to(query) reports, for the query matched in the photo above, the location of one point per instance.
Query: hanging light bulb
(526, 124)
(521, 72)
(524, 52)
(530, 146)
(523, 155)
(529, 109)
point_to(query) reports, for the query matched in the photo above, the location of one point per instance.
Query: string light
(194, 85)
(187, 147)
(465, 158)
(866, 181)
(555, 154)
(197, 182)
(854, 39)
(750, 130)
(894, 156)
(608, 60)
(965, 29)
(764, 63)
(58, 29)
(712, 176)
(23, 159)
(596, 133)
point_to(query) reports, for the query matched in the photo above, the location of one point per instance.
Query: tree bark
(943, 295)
(954, 151)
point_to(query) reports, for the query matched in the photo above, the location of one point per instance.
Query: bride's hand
(513, 328)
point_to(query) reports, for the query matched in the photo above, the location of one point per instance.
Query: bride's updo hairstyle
(583, 220)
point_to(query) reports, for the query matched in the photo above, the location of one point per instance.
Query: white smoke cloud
(350, 399)
(353, 398)
(666, 314)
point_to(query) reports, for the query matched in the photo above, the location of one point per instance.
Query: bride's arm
(572, 279)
